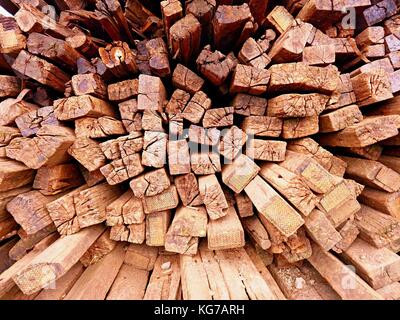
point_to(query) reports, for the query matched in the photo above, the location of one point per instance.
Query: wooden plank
(165, 280)
(151, 93)
(248, 105)
(377, 228)
(79, 106)
(7, 134)
(239, 173)
(185, 79)
(91, 177)
(196, 107)
(40, 70)
(184, 38)
(253, 54)
(391, 162)
(118, 58)
(273, 207)
(55, 50)
(190, 221)
(372, 173)
(291, 186)
(7, 196)
(391, 291)
(123, 146)
(315, 176)
(256, 231)
(122, 169)
(12, 39)
(343, 280)
(380, 200)
(265, 273)
(14, 174)
(218, 117)
(6, 260)
(130, 284)
(215, 278)
(367, 132)
(100, 248)
(10, 86)
(30, 18)
(168, 199)
(171, 11)
(349, 232)
(203, 163)
(244, 205)
(123, 90)
(378, 267)
(56, 179)
(297, 105)
(318, 282)
(236, 262)
(335, 198)
(321, 230)
(263, 126)
(102, 127)
(30, 122)
(154, 149)
(284, 48)
(29, 211)
(49, 147)
(131, 118)
(371, 152)
(11, 108)
(88, 204)
(132, 233)
(319, 55)
(183, 239)
(88, 153)
(280, 19)
(300, 127)
(213, 197)
(6, 277)
(214, 65)
(98, 278)
(141, 256)
(188, 190)
(226, 232)
(177, 104)
(340, 119)
(371, 87)
(292, 283)
(200, 135)
(150, 183)
(251, 80)
(178, 157)
(303, 77)
(27, 242)
(226, 30)
(341, 213)
(380, 69)
(379, 11)
(369, 36)
(56, 260)
(8, 228)
(63, 285)
(157, 224)
(194, 279)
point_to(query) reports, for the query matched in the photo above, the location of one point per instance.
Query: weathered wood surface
(55, 261)
(199, 149)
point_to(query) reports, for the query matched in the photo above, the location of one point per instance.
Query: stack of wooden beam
(200, 149)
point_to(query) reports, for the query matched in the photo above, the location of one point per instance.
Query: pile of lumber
(200, 149)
